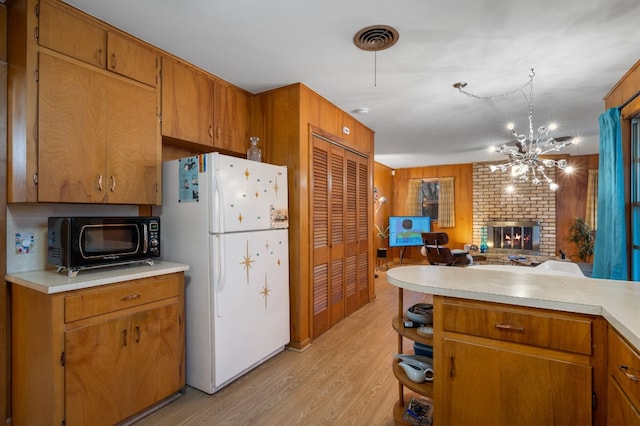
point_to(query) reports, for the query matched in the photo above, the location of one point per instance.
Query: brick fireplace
(527, 204)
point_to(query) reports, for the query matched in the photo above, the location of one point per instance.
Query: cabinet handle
(113, 184)
(100, 183)
(99, 56)
(137, 334)
(113, 61)
(210, 131)
(625, 371)
(124, 337)
(509, 327)
(452, 366)
(130, 297)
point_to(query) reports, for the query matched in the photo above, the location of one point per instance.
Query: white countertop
(616, 301)
(50, 282)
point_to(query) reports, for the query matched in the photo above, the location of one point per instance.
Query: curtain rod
(628, 101)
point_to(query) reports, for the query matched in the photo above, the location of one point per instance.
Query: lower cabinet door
(156, 355)
(489, 386)
(117, 368)
(620, 411)
(96, 373)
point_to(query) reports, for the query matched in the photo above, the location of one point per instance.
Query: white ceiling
(578, 48)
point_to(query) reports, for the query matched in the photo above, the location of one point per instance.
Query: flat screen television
(407, 230)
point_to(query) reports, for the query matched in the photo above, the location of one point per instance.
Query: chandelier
(524, 155)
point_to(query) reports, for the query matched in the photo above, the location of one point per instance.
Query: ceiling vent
(376, 37)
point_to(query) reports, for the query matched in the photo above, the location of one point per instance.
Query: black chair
(437, 254)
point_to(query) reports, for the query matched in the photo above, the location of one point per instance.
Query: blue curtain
(610, 252)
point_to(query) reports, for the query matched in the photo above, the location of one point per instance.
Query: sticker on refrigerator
(279, 218)
(188, 189)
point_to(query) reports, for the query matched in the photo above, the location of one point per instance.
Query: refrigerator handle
(221, 276)
(218, 199)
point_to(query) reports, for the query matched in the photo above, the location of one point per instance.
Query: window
(429, 197)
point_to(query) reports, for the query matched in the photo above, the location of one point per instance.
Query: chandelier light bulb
(554, 186)
(511, 126)
(553, 127)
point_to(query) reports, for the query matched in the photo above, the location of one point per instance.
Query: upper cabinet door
(187, 104)
(133, 148)
(71, 142)
(131, 59)
(67, 33)
(232, 112)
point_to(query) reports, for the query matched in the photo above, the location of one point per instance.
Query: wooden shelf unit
(418, 389)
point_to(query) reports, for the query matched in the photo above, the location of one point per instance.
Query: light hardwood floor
(344, 378)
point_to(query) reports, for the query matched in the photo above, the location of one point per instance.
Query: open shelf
(398, 410)
(410, 333)
(425, 388)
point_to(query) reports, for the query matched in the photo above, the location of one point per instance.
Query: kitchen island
(510, 341)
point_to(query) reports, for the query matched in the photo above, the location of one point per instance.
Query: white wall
(26, 218)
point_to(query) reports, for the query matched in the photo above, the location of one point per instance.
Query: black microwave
(76, 243)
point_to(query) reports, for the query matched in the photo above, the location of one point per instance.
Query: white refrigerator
(227, 218)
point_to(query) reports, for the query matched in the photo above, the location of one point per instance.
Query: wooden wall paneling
(363, 138)
(571, 198)
(383, 182)
(462, 233)
(279, 123)
(286, 119)
(4, 300)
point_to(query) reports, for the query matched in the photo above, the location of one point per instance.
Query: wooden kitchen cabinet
(203, 111)
(187, 103)
(232, 113)
(98, 136)
(96, 356)
(503, 365)
(84, 120)
(77, 36)
(624, 382)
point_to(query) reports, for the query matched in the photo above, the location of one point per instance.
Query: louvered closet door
(340, 212)
(328, 212)
(357, 232)
(363, 206)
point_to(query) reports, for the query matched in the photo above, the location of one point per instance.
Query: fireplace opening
(514, 237)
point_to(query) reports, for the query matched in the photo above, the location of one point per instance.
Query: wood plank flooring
(344, 378)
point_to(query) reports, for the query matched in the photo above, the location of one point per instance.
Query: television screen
(407, 230)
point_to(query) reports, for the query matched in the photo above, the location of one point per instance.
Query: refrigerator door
(250, 298)
(246, 195)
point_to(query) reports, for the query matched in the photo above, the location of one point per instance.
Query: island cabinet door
(96, 373)
(505, 385)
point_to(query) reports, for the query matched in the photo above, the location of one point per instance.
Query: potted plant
(582, 237)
